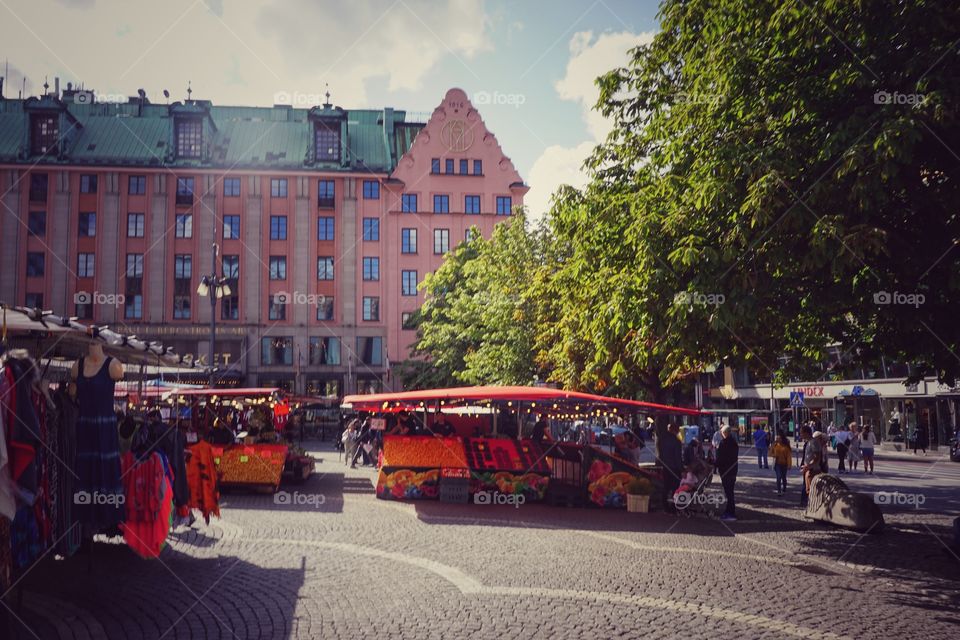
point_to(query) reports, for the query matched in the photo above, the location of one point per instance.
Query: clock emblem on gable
(456, 135)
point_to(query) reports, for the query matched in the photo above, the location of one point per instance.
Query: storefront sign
(809, 392)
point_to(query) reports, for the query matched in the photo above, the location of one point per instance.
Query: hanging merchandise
(202, 478)
(99, 489)
(66, 534)
(148, 499)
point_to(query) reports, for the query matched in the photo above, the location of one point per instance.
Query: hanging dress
(98, 493)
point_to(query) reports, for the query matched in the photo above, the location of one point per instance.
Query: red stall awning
(473, 395)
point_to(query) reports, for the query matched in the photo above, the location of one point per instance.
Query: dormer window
(44, 134)
(189, 138)
(327, 141)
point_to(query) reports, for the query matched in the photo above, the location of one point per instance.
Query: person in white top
(868, 442)
(854, 456)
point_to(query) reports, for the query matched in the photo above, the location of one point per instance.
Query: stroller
(692, 497)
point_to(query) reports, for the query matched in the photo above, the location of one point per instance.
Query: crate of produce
(417, 483)
(251, 464)
(411, 452)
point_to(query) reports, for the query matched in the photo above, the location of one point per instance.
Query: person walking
(728, 455)
(350, 440)
(670, 454)
(782, 461)
(868, 442)
(853, 447)
(843, 440)
(761, 443)
(920, 439)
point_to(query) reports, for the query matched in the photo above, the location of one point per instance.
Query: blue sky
(533, 60)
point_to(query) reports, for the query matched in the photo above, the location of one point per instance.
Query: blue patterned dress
(98, 490)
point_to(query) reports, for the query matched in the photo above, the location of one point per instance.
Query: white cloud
(590, 57)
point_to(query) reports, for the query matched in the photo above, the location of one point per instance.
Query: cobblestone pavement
(338, 563)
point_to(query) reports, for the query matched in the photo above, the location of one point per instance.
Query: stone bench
(831, 501)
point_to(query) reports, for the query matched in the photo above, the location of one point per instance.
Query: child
(781, 461)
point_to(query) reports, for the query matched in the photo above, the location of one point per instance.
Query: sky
(528, 65)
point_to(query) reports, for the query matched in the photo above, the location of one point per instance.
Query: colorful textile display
(148, 495)
(202, 478)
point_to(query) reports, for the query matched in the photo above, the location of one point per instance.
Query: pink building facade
(326, 221)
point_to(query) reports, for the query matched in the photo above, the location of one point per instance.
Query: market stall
(246, 428)
(499, 443)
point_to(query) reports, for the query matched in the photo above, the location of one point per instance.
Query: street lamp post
(214, 287)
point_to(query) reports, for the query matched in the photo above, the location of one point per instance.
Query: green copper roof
(233, 137)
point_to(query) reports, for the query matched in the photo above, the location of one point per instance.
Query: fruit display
(504, 454)
(423, 452)
(251, 464)
(532, 486)
(607, 488)
(408, 484)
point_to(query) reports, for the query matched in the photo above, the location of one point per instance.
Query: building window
(278, 187)
(278, 227)
(278, 267)
(408, 241)
(134, 225)
(408, 203)
(464, 164)
(406, 320)
(471, 204)
(325, 350)
(371, 229)
(36, 263)
(83, 310)
(278, 307)
(230, 305)
(44, 134)
(441, 241)
(134, 265)
(85, 265)
(231, 187)
(441, 204)
(478, 167)
(276, 350)
(435, 165)
(182, 291)
(133, 294)
(88, 183)
(185, 191)
(87, 227)
(184, 226)
(371, 189)
(448, 165)
(33, 301)
(470, 234)
(409, 283)
(325, 308)
(328, 141)
(231, 227)
(325, 194)
(325, 228)
(38, 187)
(37, 223)
(325, 268)
(137, 185)
(504, 205)
(370, 350)
(189, 138)
(371, 269)
(371, 309)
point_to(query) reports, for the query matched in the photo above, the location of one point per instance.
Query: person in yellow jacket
(781, 454)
